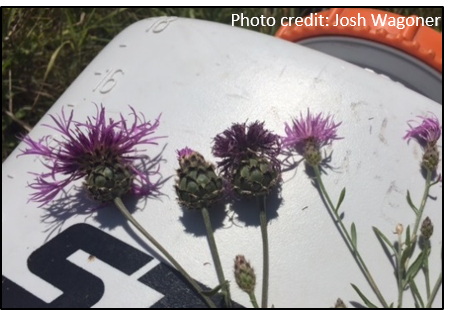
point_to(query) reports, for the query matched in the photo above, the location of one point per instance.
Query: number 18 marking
(161, 23)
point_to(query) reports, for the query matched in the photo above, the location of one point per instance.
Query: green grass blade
(367, 302)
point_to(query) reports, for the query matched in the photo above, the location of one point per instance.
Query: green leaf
(405, 254)
(410, 202)
(215, 290)
(417, 297)
(341, 198)
(354, 235)
(391, 305)
(384, 238)
(52, 60)
(435, 182)
(408, 250)
(408, 237)
(415, 267)
(21, 113)
(365, 300)
(6, 64)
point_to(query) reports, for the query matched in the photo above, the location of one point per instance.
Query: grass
(44, 50)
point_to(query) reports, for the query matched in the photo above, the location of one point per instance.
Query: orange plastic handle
(419, 41)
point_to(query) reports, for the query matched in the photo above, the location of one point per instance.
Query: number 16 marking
(108, 82)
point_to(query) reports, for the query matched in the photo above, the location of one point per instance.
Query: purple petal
(83, 145)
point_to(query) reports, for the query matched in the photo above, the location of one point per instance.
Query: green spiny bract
(431, 157)
(107, 182)
(255, 177)
(197, 185)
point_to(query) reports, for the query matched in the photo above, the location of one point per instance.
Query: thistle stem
(414, 235)
(423, 204)
(348, 240)
(435, 291)
(253, 300)
(119, 203)
(427, 275)
(216, 257)
(399, 271)
(264, 236)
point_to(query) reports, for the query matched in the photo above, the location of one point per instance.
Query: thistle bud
(244, 274)
(339, 304)
(399, 229)
(107, 182)
(197, 184)
(427, 228)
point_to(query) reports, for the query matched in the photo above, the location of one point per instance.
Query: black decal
(81, 288)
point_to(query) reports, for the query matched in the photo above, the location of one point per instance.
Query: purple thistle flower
(321, 130)
(249, 158)
(83, 147)
(242, 141)
(308, 135)
(428, 132)
(427, 135)
(184, 152)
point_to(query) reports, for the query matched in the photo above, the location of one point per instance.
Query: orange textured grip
(419, 41)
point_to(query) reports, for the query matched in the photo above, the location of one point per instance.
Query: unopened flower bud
(399, 229)
(339, 304)
(244, 274)
(427, 228)
(197, 185)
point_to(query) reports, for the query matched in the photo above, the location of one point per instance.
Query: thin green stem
(215, 256)
(418, 302)
(399, 271)
(435, 291)
(414, 235)
(253, 300)
(264, 236)
(348, 240)
(427, 276)
(423, 204)
(119, 203)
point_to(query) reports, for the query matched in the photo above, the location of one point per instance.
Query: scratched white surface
(203, 77)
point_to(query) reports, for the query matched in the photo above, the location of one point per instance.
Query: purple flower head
(317, 129)
(427, 135)
(428, 132)
(184, 152)
(83, 147)
(242, 142)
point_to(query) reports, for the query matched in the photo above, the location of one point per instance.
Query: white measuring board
(202, 77)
